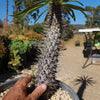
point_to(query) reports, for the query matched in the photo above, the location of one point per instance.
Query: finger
(23, 82)
(18, 81)
(38, 91)
(27, 79)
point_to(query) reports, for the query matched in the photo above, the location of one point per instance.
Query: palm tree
(91, 14)
(56, 10)
(84, 81)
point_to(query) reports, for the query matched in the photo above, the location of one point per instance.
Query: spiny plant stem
(49, 58)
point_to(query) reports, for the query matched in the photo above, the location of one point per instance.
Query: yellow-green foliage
(34, 36)
(20, 45)
(15, 61)
(31, 36)
(12, 36)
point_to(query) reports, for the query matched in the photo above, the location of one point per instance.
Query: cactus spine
(48, 60)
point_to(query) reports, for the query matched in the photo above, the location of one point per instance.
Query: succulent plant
(48, 59)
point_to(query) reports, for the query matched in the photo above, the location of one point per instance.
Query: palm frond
(84, 79)
(76, 1)
(24, 4)
(67, 6)
(46, 17)
(74, 7)
(70, 12)
(40, 15)
(47, 2)
(66, 1)
(34, 7)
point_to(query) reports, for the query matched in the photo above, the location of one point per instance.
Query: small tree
(93, 16)
(47, 64)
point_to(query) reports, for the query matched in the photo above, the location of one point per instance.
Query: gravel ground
(61, 95)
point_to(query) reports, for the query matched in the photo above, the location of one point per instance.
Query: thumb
(38, 91)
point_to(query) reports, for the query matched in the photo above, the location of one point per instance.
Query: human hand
(19, 90)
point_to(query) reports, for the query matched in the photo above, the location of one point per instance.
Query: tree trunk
(49, 58)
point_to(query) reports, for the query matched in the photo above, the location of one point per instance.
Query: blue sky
(80, 18)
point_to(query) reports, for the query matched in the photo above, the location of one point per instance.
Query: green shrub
(4, 54)
(18, 49)
(97, 38)
(68, 34)
(15, 60)
(39, 28)
(20, 45)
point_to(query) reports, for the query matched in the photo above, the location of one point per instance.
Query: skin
(19, 90)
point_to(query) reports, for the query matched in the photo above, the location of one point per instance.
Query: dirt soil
(70, 68)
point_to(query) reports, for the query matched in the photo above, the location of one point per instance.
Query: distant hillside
(79, 26)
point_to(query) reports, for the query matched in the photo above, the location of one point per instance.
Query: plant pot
(77, 44)
(8, 84)
(87, 45)
(86, 53)
(67, 88)
(62, 85)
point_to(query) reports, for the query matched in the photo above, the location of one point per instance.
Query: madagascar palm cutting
(55, 10)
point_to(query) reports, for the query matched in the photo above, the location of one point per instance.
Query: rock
(61, 95)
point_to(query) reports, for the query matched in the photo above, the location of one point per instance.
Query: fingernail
(44, 86)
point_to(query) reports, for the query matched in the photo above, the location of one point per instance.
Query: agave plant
(49, 57)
